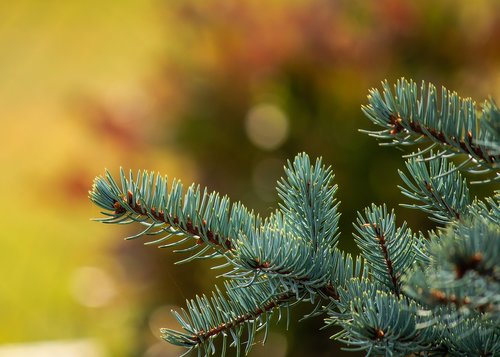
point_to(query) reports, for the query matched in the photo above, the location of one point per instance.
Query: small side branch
(439, 198)
(202, 336)
(466, 145)
(213, 238)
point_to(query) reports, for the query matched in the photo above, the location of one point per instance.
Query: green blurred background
(219, 92)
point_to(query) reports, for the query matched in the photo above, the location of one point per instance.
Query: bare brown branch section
(390, 269)
(204, 335)
(466, 145)
(213, 238)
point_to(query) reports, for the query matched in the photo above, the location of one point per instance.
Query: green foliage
(309, 204)
(228, 314)
(462, 270)
(377, 321)
(439, 186)
(173, 214)
(406, 294)
(387, 250)
(451, 124)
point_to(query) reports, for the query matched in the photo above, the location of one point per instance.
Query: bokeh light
(267, 126)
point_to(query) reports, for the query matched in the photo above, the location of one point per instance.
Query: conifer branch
(409, 116)
(373, 319)
(308, 202)
(202, 336)
(274, 249)
(464, 144)
(227, 314)
(388, 250)
(439, 186)
(463, 270)
(257, 251)
(405, 294)
(207, 217)
(173, 221)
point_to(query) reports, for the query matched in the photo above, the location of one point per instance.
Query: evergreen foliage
(407, 293)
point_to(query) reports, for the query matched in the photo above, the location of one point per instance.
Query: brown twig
(390, 269)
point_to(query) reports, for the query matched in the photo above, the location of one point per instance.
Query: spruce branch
(473, 337)
(296, 244)
(387, 250)
(207, 217)
(305, 267)
(439, 186)
(409, 116)
(463, 271)
(377, 322)
(275, 250)
(405, 294)
(308, 201)
(488, 208)
(227, 314)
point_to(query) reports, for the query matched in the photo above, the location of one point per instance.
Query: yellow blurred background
(218, 92)
(58, 280)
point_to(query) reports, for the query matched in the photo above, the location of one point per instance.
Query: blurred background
(219, 92)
